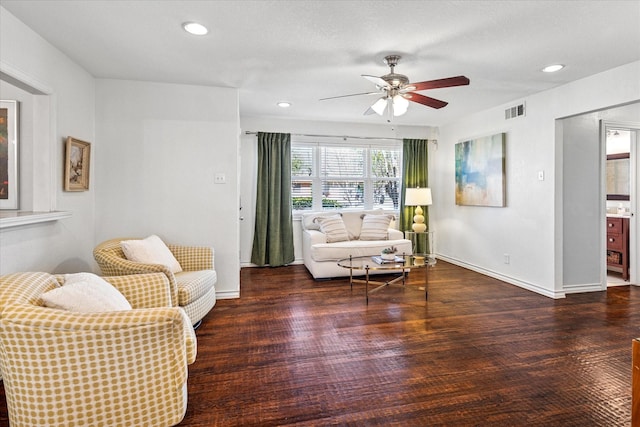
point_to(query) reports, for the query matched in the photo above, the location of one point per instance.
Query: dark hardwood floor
(479, 352)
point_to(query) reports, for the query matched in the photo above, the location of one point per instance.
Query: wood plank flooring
(295, 352)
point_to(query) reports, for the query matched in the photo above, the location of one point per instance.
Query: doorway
(620, 186)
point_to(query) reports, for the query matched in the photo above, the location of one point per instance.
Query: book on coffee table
(378, 259)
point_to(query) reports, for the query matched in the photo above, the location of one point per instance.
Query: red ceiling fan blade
(448, 82)
(425, 100)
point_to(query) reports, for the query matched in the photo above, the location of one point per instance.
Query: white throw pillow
(86, 293)
(151, 250)
(375, 227)
(333, 227)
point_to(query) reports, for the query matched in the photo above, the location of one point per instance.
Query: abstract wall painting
(480, 171)
(8, 154)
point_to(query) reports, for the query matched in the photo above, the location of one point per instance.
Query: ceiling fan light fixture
(400, 105)
(379, 106)
(195, 28)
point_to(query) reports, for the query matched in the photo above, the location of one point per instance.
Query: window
(332, 176)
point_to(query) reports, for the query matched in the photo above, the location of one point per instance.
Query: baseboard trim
(511, 280)
(250, 264)
(227, 294)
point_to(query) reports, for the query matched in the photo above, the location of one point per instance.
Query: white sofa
(321, 256)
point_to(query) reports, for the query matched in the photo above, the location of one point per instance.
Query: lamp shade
(417, 197)
(379, 106)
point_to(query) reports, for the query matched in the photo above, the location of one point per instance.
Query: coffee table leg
(367, 283)
(426, 282)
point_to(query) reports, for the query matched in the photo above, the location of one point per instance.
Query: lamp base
(418, 221)
(419, 228)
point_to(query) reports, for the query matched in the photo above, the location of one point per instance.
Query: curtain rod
(333, 136)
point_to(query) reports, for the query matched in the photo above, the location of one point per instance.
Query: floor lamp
(418, 197)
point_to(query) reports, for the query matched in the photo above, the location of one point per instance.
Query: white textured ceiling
(301, 51)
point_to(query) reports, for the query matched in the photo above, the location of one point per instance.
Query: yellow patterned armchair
(192, 289)
(121, 368)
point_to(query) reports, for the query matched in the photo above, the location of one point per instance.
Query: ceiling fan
(397, 91)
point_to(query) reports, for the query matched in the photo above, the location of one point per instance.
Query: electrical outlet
(507, 259)
(220, 178)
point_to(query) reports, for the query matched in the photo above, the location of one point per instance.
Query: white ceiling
(304, 50)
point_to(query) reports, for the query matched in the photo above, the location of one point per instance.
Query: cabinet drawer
(614, 225)
(615, 241)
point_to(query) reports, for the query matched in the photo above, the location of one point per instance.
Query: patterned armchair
(123, 368)
(192, 289)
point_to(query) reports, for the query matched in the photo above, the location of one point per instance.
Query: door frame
(634, 127)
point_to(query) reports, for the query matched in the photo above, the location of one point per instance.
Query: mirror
(618, 176)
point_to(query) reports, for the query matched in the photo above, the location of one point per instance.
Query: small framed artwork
(77, 161)
(9, 154)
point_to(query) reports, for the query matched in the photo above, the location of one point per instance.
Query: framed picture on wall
(480, 171)
(77, 161)
(9, 154)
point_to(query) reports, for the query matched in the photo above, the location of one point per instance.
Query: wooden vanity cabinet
(618, 245)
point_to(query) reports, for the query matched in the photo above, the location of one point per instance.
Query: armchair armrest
(193, 258)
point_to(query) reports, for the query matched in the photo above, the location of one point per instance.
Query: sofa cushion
(151, 250)
(336, 251)
(86, 293)
(375, 227)
(333, 228)
(352, 220)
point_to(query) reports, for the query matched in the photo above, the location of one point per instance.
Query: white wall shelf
(18, 218)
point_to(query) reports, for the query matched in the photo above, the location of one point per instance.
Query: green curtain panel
(414, 174)
(273, 237)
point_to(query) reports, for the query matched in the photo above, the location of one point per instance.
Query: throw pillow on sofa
(86, 293)
(375, 227)
(333, 228)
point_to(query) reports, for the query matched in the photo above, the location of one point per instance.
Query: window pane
(386, 194)
(342, 194)
(302, 194)
(301, 161)
(342, 162)
(385, 163)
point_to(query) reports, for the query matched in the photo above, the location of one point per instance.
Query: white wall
(531, 228)
(64, 107)
(249, 162)
(160, 148)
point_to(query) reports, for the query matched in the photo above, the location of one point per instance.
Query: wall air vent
(513, 112)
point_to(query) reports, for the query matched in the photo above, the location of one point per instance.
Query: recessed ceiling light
(284, 104)
(195, 28)
(552, 68)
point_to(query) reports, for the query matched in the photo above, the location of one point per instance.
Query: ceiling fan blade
(435, 84)
(369, 111)
(425, 100)
(353, 94)
(378, 81)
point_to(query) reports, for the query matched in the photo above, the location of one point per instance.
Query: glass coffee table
(401, 265)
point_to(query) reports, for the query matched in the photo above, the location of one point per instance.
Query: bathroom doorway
(620, 185)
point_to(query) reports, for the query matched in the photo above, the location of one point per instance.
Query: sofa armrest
(143, 290)
(312, 237)
(395, 234)
(193, 258)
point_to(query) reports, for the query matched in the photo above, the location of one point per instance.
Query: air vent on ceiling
(513, 112)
